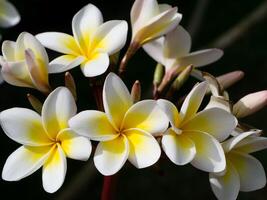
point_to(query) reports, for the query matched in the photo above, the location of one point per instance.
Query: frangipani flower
(193, 136)
(92, 44)
(124, 130)
(151, 20)
(9, 15)
(243, 172)
(46, 140)
(25, 62)
(173, 51)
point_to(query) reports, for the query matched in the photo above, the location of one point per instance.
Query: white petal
(209, 153)
(93, 124)
(155, 50)
(64, 63)
(24, 126)
(24, 161)
(226, 186)
(58, 108)
(252, 144)
(180, 149)
(85, 23)
(164, 7)
(250, 170)
(201, 58)
(96, 66)
(177, 43)
(144, 148)
(146, 115)
(116, 99)
(9, 15)
(59, 42)
(218, 102)
(230, 144)
(75, 146)
(111, 155)
(54, 170)
(8, 50)
(192, 101)
(214, 121)
(142, 11)
(171, 111)
(110, 36)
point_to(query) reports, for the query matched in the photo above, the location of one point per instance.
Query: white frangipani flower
(25, 62)
(151, 20)
(92, 44)
(9, 15)
(173, 50)
(125, 130)
(243, 172)
(193, 136)
(47, 140)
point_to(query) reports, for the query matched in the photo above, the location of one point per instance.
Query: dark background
(165, 180)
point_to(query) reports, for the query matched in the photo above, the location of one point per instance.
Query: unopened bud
(136, 91)
(35, 103)
(70, 84)
(250, 104)
(229, 79)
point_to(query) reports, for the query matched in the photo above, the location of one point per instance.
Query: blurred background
(209, 21)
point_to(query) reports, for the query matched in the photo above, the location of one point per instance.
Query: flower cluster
(212, 139)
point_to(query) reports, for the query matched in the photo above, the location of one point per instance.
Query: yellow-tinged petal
(116, 99)
(93, 124)
(24, 161)
(111, 155)
(225, 186)
(54, 170)
(9, 15)
(75, 146)
(251, 172)
(214, 121)
(171, 111)
(146, 115)
(59, 42)
(8, 50)
(58, 108)
(251, 144)
(209, 152)
(180, 149)
(192, 101)
(144, 148)
(24, 126)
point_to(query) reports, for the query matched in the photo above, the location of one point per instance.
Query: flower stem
(109, 186)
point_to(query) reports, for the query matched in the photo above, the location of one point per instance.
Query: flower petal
(110, 36)
(158, 26)
(171, 111)
(24, 126)
(180, 149)
(142, 11)
(116, 99)
(209, 153)
(230, 144)
(97, 65)
(201, 58)
(64, 63)
(9, 15)
(58, 108)
(192, 101)
(54, 170)
(214, 121)
(93, 124)
(84, 24)
(251, 172)
(111, 155)
(226, 186)
(155, 50)
(59, 42)
(144, 148)
(9, 50)
(75, 146)
(146, 115)
(24, 161)
(177, 43)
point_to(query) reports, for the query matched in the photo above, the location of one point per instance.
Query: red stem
(109, 186)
